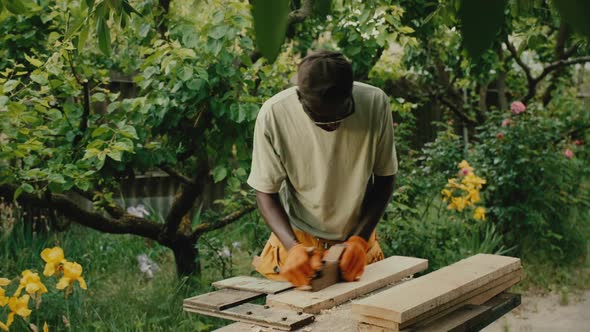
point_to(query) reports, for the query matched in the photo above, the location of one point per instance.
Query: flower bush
(30, 282)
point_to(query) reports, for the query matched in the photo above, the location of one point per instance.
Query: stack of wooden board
(230, 302)
(290, 309)
(473, 280)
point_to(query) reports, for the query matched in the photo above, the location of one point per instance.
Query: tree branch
(455, 109)
(230, 218)
(184, 201)
(115, 211)
(177, 175)
(561, 63)
(532, 85)
(126, 224)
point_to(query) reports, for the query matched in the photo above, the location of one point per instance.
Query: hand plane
(330, 272)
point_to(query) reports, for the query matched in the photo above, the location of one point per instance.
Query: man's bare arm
(276, 218)
(376, 199)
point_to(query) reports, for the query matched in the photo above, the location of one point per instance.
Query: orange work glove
(301, 265)
(354, 258)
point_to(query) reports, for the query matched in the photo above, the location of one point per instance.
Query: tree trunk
(186, 256)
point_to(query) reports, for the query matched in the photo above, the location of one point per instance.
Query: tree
(199, 94)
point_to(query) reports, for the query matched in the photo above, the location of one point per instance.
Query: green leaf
(116, 155)
(124, 145)
(82, 37)
(218, 32)
(270, 26)
(39, 77)
(129, 9)
(195, 84)
(91, 152)
(10, 85)
(480, 23)
(17, 193)
(56, 178)
(100, 130)
(185, 73)
(104, 36)
(21, 7)
(128, 131)
(35, 62)
(27, 188)
(575, 13)
(219, 173)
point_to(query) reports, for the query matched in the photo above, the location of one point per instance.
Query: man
(323, 167)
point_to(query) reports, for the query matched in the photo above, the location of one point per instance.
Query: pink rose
(395, 124)
(578, 142)
(500, 136)
(506, 123)
(517, 107)
(568, 153)
(465, 171)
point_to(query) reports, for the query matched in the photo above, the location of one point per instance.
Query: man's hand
(302, 263)
(354, 258)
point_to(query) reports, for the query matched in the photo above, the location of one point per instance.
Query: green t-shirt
(322, 176)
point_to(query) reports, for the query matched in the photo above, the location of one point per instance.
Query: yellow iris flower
(480, 213)
(447, 194)
(18, 306)
(457, 203)
(45, 327)
(31, 282)
(52, 257)
(3, 299)
(72, 272)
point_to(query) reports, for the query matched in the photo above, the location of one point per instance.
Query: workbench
(467, 319)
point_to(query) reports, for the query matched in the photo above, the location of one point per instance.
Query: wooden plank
(377, 275)
(222, 299)
(466, 319)
(257, 314)
(473, 317)
(420, 295)
(253, 284)
(477, 296)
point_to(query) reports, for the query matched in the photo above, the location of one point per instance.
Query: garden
(126, 131)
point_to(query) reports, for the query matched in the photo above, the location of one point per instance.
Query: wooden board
(221, 299)
(253, 284)
(477, 296)
(420, 295)
(377, 275)
(466, 319)
(257, 314)
(473, 317)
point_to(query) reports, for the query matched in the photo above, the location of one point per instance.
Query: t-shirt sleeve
(267, 172)
(385, 155)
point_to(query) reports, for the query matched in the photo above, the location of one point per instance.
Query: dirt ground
(547, 313)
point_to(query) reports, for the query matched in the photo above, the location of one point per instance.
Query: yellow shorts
(274, 254)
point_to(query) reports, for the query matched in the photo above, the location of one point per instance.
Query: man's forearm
(376, 199)
(276, 218)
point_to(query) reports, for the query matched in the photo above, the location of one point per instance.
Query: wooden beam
(411, 299)
(377, 275)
